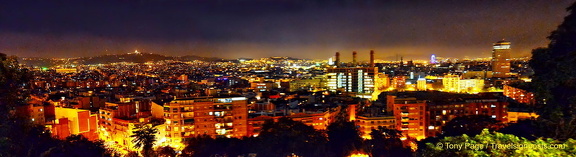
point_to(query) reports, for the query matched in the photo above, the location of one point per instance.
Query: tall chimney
(337, 59)
(354, 54)
(371, 58)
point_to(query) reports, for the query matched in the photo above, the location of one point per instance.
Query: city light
(285, 79)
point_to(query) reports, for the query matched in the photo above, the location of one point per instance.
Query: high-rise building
(359, 80)
(352, 79)
(501, 59)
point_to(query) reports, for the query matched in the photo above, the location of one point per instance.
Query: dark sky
(313, 29)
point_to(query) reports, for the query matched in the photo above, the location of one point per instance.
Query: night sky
(313, 29)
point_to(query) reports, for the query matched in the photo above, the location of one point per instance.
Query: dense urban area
(145, 104)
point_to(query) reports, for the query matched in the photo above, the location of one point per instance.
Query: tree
(78, 145)
(204, 145)
(498, 144)
(343, 136)
(555, 80)
(529, 129)
(386, 142)
(287, 137)
(12, 79)
(166, 151)
(144, 136)
(470, 125)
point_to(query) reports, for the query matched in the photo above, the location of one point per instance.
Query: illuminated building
(213, 116)
(117, 121)
(411, 115)
(476, 74)
(451, 83)
(514, 116)
(520, 95)
(69, 121)
(353, 79)
(382, 82)
(183, 78)
(366, 124)
(35, 111)
(501, 59)
(66, 70)
(421, 84)
(263, 86)
(471, 85)
(359, 80)
(441, 113)
(399, 82)
(319, 121)
(255, 124)
(308, 84)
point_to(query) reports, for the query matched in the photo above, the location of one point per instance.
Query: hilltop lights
(433, 59)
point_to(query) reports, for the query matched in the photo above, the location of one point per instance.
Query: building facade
(213, 116)
(501, 59)
(520, 95)
(358, 80)
(411, 115)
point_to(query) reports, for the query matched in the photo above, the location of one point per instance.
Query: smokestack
(371, 58)
(354, 54)
(337, 59)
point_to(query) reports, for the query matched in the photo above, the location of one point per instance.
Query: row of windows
(375, 122)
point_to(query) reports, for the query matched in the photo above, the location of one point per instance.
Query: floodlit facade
(399, 82)
(451, 83)
(471, 85)
(69, 121)
(382, 82)
(117, 120)
(421, 84)
(358, 80)
(410, 114)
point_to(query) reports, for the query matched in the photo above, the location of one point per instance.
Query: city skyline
(255, 29)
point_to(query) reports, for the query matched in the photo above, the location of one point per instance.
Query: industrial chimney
(337, 63)
(371, 58)
(354, 54)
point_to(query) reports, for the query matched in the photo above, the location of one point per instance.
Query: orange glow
(359, 155)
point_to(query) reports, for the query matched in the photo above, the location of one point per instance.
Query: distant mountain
(114, 58)
(130, 57)
(140, 58)
(194, 57)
